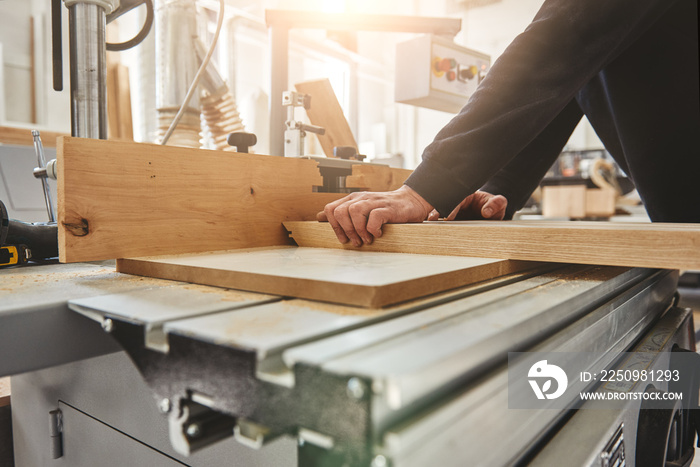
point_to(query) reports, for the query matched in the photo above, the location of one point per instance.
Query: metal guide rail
(394, 386)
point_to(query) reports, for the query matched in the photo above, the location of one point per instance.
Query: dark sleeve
(568, 43)
(517, 180)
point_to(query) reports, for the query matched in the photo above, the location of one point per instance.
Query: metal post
(88, 71)
(279, 43)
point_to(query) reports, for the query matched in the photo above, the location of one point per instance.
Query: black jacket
(630, 65)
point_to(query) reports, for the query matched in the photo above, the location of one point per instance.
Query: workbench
(153, 372)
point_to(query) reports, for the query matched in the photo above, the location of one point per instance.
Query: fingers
(359, 217)
(359, 212)
(434, 215)
(328, 214)
(494, 207)
(454, 212)
(377, 218)
(343, 216)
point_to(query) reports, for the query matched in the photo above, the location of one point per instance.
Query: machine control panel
(438, 74)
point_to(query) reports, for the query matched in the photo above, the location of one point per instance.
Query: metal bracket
(296, 131)
(197, 426)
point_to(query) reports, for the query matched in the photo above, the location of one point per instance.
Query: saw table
(140, 371)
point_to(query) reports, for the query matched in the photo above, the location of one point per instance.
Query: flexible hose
(197, 77)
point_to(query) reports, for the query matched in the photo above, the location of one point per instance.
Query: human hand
(359, 217)
(479, 205)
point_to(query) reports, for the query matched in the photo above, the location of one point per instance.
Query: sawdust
(228, 295)
(27, 278)
(343, 310)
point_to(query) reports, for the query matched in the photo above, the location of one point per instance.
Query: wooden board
(564, 201)
(376, 178)
(325, 111)
(668, 246)
(123, 199)
(23, 136)
(119, 119)
(348, 277)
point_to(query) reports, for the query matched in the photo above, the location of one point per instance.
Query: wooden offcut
(326, 112)
(667, 246)
(347, 277)
(122, 199)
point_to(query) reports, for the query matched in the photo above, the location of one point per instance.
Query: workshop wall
(25, 78)
(362, 78)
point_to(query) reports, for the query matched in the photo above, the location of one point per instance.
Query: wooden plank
(668, 246)
(113, 128)
(600, 202)
(123, 199)
(126, 125)
(119, 120)
(376, 178)
(23, 136)
(564, 201)
(359, 278)
(325, 111)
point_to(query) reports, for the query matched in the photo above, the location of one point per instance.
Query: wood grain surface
(23, 136)
(361, 278)
(666, 246)
(121, 199)
(376, 178)
(325, 111)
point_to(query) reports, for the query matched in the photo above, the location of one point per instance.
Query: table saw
(112, 369)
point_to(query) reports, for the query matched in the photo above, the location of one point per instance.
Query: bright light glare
(334, 6)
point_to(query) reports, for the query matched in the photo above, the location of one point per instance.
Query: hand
(479, 205)
(359, 217)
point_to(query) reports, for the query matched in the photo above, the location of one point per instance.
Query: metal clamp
(296, 130)
(43, 172)
(197, 426)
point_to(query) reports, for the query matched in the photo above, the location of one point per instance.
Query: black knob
(242, 140)
(344, 152)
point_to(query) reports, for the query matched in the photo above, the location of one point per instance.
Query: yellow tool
(12, 255)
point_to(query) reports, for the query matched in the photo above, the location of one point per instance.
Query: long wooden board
(121, 199)
(325, 111)
(667, 246)
(348, 277)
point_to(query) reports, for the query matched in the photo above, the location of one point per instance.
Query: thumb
(494, 207)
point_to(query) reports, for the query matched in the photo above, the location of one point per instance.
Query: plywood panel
(325, 111)
(348, 277)
(121, 199)
(669, 246)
